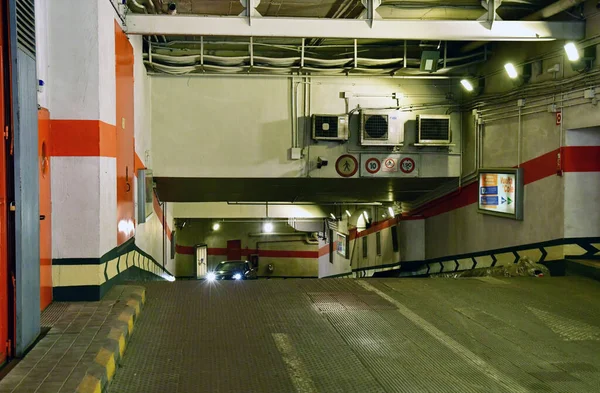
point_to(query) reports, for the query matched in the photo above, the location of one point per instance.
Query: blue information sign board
(489, 190)
(489, 200)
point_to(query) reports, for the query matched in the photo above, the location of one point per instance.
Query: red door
(45, 209)
(4, 274)
(234, 250)
(125, 143)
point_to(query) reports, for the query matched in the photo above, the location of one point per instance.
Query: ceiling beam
(447, 30)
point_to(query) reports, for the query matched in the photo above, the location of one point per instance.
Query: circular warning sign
(407, 165)
(389, 163)
(346, 165)
(373, 165)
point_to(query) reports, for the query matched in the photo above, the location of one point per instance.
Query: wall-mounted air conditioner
(434, 129)
(330, 127)
(381, 128)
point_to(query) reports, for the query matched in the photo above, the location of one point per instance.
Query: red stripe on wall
(190, 250)
(575, 159)
(581, 159)
(375, 227)
(538, 168)
(287, 254)
(83, 138)
(185, 250)
(159, 214)
(217, 251)
(324, 251)
(459, 198)
(137, 163)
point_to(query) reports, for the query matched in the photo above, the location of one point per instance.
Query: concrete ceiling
(293, 189)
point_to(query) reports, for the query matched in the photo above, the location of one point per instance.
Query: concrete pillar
(81, 96)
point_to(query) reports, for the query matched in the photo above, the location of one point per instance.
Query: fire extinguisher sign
(558, 118)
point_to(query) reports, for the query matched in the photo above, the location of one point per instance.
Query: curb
(119, 331)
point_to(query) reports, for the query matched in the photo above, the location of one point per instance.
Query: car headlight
(211, 276)
(237, 276)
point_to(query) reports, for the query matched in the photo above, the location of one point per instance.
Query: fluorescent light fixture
(216, 226)
(511, 70)
(391, 211)
(467, 85)
(332, 216)
(572, 52)
(348, 213)
(268, 227)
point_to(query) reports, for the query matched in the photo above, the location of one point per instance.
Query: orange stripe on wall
(159, 214)
(83, 138)
(138, 163)
(324, 250)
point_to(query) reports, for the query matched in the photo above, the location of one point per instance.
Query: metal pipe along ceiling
(189, 64)
(553, 9)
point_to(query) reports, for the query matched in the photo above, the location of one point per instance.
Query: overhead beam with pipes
(447, 30)
(546, 12)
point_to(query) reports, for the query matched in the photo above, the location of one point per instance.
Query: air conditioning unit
(381, 128)
(330, 127)
(434, 129)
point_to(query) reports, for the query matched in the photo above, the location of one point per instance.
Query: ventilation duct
(26, 26)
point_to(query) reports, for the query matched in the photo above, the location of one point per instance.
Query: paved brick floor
(60, 360)
(377, 335)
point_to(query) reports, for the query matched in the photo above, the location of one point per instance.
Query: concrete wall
(411, 246)
(291, 256)
(555, 207)
(242, 127)
(92, 157)
(150, 236)
(582, 189)
(411, 238)
(463, 230)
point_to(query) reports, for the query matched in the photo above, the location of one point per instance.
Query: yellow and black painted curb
(116, 333)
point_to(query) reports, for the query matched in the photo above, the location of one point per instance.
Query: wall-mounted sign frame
(500, 192)
(342, 244)
(145, 193)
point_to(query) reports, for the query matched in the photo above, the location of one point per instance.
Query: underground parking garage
(300, 196)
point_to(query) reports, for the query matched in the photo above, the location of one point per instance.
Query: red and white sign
(373, 165)
(407, 165)
(558, 118)
(346, 165)
(389, 165)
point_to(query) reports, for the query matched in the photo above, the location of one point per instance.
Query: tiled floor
(60, 360)
(377, 335)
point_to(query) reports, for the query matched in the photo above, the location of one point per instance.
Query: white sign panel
(500, 193)
(389, 165)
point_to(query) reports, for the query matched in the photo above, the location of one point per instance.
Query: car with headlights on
(232, 270)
